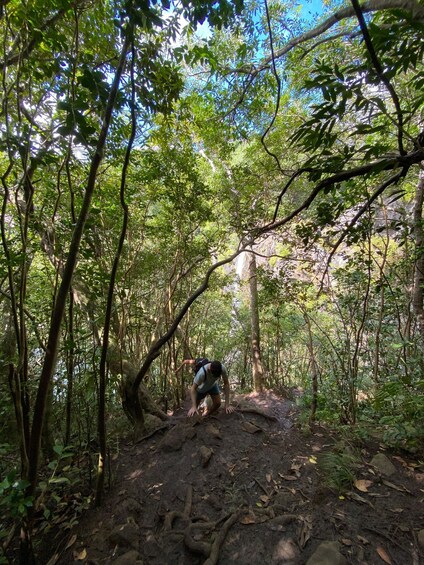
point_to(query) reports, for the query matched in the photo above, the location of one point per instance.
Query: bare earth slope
(246, 489)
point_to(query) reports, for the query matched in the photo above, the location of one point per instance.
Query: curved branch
(392, 180)
(14, 57)
(278, 81)
(384, 164)
(415, 8)
(155, 349)
(380, 72)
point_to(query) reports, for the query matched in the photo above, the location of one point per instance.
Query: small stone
(383, 464)
(213, 431)
(205, 455)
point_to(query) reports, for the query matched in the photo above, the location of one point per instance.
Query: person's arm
(185, 362)
(228, 408)
(193, 394)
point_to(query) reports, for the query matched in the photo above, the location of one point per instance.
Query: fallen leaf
(268, 478)
(346, 542)
(357, 498)
(288, 477)
(384, 555)
(401, 461)
(305, 530)
(264, 498)
(71, 542)
(395, 487)
(53, 559)
(313, 460)
(363, 540)
(248, 518)
(80, 555)
(362, 484)
(396, 510)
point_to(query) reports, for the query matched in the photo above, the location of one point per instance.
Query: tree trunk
(257, 367)
(418, 290)
(101, 422)
(314, 370)
(59, 307)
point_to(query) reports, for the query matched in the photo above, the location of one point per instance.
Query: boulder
(327, 553)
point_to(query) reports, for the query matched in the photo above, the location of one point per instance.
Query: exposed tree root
(220, 538)
(210, 550)
(257, 411)
(184, 515)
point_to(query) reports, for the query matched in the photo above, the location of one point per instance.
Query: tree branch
(416, 9)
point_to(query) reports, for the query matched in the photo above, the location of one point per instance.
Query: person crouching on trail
(206, 382)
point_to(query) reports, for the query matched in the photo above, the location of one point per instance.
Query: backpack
(200, 362)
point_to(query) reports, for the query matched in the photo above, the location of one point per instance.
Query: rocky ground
(251, 488)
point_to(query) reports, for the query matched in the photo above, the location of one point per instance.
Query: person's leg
(199, 398)
(216, 403)
(216, 400)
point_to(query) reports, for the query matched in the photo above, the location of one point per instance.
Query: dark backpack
(200, 362)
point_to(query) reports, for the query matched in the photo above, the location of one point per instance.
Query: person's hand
(192, 412)
(229, 409)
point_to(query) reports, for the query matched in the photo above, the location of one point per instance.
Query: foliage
(13, 495)
(338, 469)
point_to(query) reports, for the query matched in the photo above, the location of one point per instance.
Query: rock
(213, 431)
(176, 438)
(383, 464)
(214, 502)
(284, 502)
(205, 455)
(286, 551)
(151, 422)
(125, 535)
(327, 553)
(130, 558)
(251, 428)
(129, 507)
(420, 537)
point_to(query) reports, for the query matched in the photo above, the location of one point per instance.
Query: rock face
(383, 464)
(176, 438)
(125, 535)
(327, 554)
(129, 558)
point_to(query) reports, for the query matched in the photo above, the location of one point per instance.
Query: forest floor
(249, 488)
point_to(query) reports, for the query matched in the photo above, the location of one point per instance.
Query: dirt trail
(246, 489)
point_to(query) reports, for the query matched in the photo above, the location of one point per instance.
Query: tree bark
(257, 366)
(418, 289)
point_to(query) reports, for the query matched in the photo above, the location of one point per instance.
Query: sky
(312, 7)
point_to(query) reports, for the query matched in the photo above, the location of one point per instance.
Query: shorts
(212, 391)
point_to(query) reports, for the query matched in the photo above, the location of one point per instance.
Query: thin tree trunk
(59, 307)
(257, 366)
(70, 368)
(314, 369)
(418, 290)
(106, 331)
